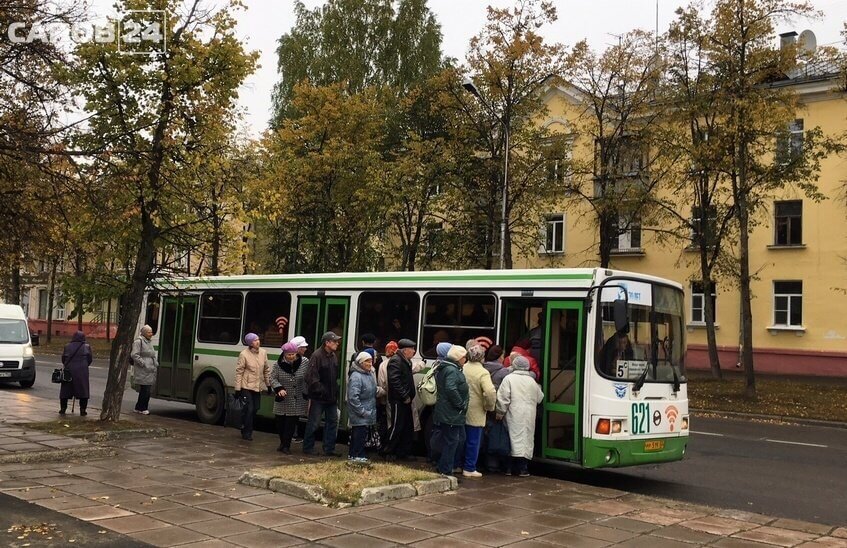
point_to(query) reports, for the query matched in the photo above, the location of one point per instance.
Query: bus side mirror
(621, 319)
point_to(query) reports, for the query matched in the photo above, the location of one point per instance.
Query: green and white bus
(610, 344)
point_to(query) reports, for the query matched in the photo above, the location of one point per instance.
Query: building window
(788, 303)
(261, 312)
(220, 317)
(625, 235)
(43, 301)
(59, 311)
(554, 234)
(788, 223)
(456, 318)
(790, 146)
(697, 225)
(389, 315)
(698, 302)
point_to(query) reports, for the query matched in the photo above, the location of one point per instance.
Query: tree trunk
(121, 345)
(746, 305)
(605, 242)
(15, 291)
(216, 247)
(51, 297)
(709, 312)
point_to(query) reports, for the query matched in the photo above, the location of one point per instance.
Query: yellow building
(798, 253)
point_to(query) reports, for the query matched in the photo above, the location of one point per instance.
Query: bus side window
(390, 315)
(456, 318)
(220, 317)
(266, 313)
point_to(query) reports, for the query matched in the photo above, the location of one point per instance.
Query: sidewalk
(182, 491)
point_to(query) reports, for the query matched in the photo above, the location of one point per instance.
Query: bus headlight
(616, 426)
(685, 423)
(609, 426)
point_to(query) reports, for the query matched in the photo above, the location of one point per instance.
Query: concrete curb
(58, 454)
(369, 495)
(739, 415)
(116, 435)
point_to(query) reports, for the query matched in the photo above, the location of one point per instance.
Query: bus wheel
(209, 401)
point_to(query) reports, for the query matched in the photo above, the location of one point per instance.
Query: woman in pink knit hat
(287, 386)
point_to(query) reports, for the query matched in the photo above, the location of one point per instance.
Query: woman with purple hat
(251, 371)
(287, 385)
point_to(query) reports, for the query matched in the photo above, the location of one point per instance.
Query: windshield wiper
(640, 382)
(675, 380)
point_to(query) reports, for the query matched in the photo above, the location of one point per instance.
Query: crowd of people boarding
(484, 411)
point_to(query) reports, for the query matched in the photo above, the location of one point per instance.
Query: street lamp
(472, 89)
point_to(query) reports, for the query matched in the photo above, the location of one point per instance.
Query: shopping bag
(234, 411)
(498, 439)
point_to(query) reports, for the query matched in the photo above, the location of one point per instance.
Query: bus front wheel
(209, 401)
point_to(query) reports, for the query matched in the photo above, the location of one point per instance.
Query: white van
(17, 362)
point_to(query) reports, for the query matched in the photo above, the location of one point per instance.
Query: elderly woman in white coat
(517, 401)
(145, 363)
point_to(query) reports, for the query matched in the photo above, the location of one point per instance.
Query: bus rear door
(176, 347)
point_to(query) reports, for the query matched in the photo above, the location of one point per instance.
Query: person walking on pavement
(251, 370)
(322, 387)
(517, 401)
(145, 362)
(76, 358)
(401, 392)
(482, 397)
(451, 407)
(287, 384)
(362, 392)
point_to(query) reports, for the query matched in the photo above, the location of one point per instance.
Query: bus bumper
(618, 453)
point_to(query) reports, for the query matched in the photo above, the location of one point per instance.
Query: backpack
(427, 388)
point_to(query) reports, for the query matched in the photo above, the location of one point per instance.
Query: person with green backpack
(451, 408)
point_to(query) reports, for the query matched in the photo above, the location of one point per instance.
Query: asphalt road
(791, 471)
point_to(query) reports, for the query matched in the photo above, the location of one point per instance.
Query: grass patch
(344, 483)
(99, 347)
(80, 426)
(807, 398)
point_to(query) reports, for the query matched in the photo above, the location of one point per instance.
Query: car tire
(29, 383)
(209, 400)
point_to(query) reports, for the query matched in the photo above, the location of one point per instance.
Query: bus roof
(538, 277)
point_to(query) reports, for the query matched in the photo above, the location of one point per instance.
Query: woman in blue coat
(362, 392)
(76, 358)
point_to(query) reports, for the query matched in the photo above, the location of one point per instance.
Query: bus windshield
(652, 345)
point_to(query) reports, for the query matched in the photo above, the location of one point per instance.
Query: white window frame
(789, 297)
(702, 307)
(550, 221)
(59, 309)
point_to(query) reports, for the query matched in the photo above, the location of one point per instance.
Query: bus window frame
(200, 316)
(288, 314)
(422, 345)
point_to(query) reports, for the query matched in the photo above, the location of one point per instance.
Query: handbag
(498, 439)
(60, 374)
(372, 441)
(234, 411)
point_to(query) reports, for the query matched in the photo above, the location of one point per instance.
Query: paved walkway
(182, 491)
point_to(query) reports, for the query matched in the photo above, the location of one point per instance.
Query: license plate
(654, 445)
(5, 373)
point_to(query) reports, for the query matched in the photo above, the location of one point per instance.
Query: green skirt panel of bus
(617, 453)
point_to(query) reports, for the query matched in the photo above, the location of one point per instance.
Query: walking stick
(73, 404)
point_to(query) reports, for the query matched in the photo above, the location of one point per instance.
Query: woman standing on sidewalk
(517, 402)
(76, 358)
(287, 385)
(145, 362)
(251, 372)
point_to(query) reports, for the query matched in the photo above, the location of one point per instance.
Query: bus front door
(176, 347)
(562, 373)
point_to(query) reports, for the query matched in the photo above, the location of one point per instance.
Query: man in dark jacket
(401, 392)
(322, 385)
(451, 407)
